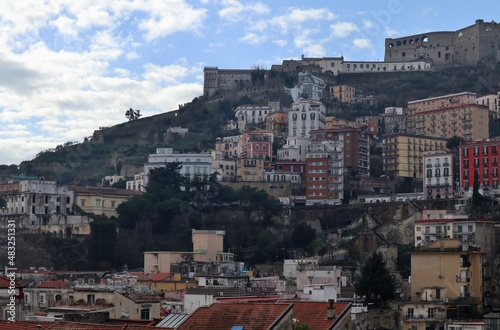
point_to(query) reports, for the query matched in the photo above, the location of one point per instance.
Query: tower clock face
(421, 50)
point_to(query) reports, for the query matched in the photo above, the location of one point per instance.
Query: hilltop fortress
(470, 45)
(420, 52)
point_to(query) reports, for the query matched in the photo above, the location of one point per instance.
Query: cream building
(444, 277)
(403, 153)
(102, 201)
(208, 248)
(449, 115)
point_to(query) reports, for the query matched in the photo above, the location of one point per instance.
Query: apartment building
(304, 117)
(334, 122)
(251, 170)
(257, 144)
(251, 114)
(481, 157)
(449, 115)
(207, 256)
(444, 278)
(35, 202)
(492, 101)
(102, 200)
(343, 93)
(325, 173)
(403, 153)
(393, 120)
(438, 175)
(228, 146)
(308, 87)
(277, 123)
(355, 146)
(193, 164)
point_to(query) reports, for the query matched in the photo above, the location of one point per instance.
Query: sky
(69, 67)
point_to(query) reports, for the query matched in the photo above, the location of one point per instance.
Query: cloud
(343, 29)
(253, 38)
(362, 43)
(281, 42)
(168, 17)
(235, 11)
(295, 18)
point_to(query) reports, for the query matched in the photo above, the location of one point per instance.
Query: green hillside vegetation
(129, 143)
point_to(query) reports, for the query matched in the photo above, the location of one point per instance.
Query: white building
(308, 87)
(192, 164)
(253, 114)
(33, 202)
(304, 117)
(137, 183)
(438, 174)
(492, 101)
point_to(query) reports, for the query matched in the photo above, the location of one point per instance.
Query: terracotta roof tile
(252, 316)
(159, 276)
(5, 283)
(313, 313)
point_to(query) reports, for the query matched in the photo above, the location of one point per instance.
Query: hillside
(124, 148)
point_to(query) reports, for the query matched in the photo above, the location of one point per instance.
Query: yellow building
(102, 201)
(449, 115)
(277, 122)
(166, 282)
(343, 93)
(250, 170)
(333, 122)
(403, 153)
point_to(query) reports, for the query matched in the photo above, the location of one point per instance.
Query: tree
(132, 114)
(302, 236)
(258, 75)
(477, 198)
(454, 142)
(375, 282)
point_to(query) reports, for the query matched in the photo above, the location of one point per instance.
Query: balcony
(465, 264)
(437, 165)
(462, 279)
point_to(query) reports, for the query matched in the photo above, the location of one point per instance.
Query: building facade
(403, 153)
(449, 115)
(325, 173)
(193, 165)
(469, 45)
(438, 175)
(480, 157)
(343, 93)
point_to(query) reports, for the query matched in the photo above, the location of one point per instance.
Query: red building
(257, 144)
(480, 156)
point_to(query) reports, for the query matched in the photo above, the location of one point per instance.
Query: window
(145, 314)
(446, 172)
(82, 202)
(113, 204)
(98, 203)
(90, 299)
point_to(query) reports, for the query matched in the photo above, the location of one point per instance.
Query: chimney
(330, 311)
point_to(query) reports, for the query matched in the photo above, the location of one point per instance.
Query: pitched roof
(54, 284)
(63, 325)
(159, 276)
(224, 316)
(5, 283)
(313, 313)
